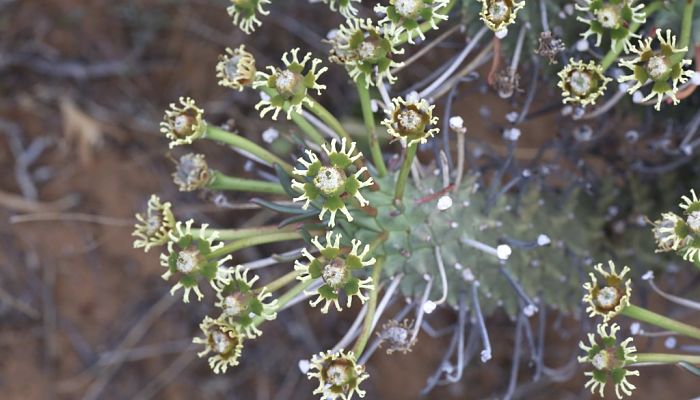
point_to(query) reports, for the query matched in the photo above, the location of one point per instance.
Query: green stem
(368, 117)
(371, 309)
(614, 52)
(239, 142)
(427, 25)
(665, 358)
(644, 315)
(253, 241)
(324, 115)
(227, 235)
(307, 128)
(687, 24)
(220, 181)
(403, 173)
(282, 281)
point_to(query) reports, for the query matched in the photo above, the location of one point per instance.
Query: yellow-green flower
(223, 341)
(236, 68)
(498, 14)
(366, 50)
(611, 18)
(183, 123)
(287, 88)
(411, 120)
(331, 183)
(611, 296)
(244, 13)
(153, 227)
(582, 83)
(689, 230)
(663, 67)
(610, 361)
(240, 303)
(339, 376)
(336, 266)
(345, 7)
(409, 14)
(667, 232)
(188, 259)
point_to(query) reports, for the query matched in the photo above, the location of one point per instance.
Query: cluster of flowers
(611, 296)
(330, 182)
(664, 67)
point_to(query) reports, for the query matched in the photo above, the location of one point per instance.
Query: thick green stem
(644, 315)
(665, 358)
(227, 235)
(614, 52)
(427, 25)
(403, 174)
(307, 128)
(687, 24)
(239, 142)
(253, 241)
(324, 115)
(371, 309)
(282, 281)
(368, 117)
(220, 181)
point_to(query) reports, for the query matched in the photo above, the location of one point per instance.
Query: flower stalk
(371, 309)
(254, 241)
(239, 142)
(243, 233)
(220, 181)
(687, 23)
(666, 358)
(403, 174)
(368, 117)
(661, 321)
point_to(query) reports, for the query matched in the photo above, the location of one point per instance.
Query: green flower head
(223, 341)
(244, 13)
(410, 120)
(611, 18)
(366, 50)
(582, 83)
(191, 172)
(236, 68)
(664, 67)
(336, 266)
(670, 232)
(345, 7)
(287, 88)
(183, 123)
(331, 183)
(690, 227)
(409, 14)
(240, 303)
(498, 14)
(152, 227)
(188, 258)
(339, 376)
(610, 297)
(609, 360)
